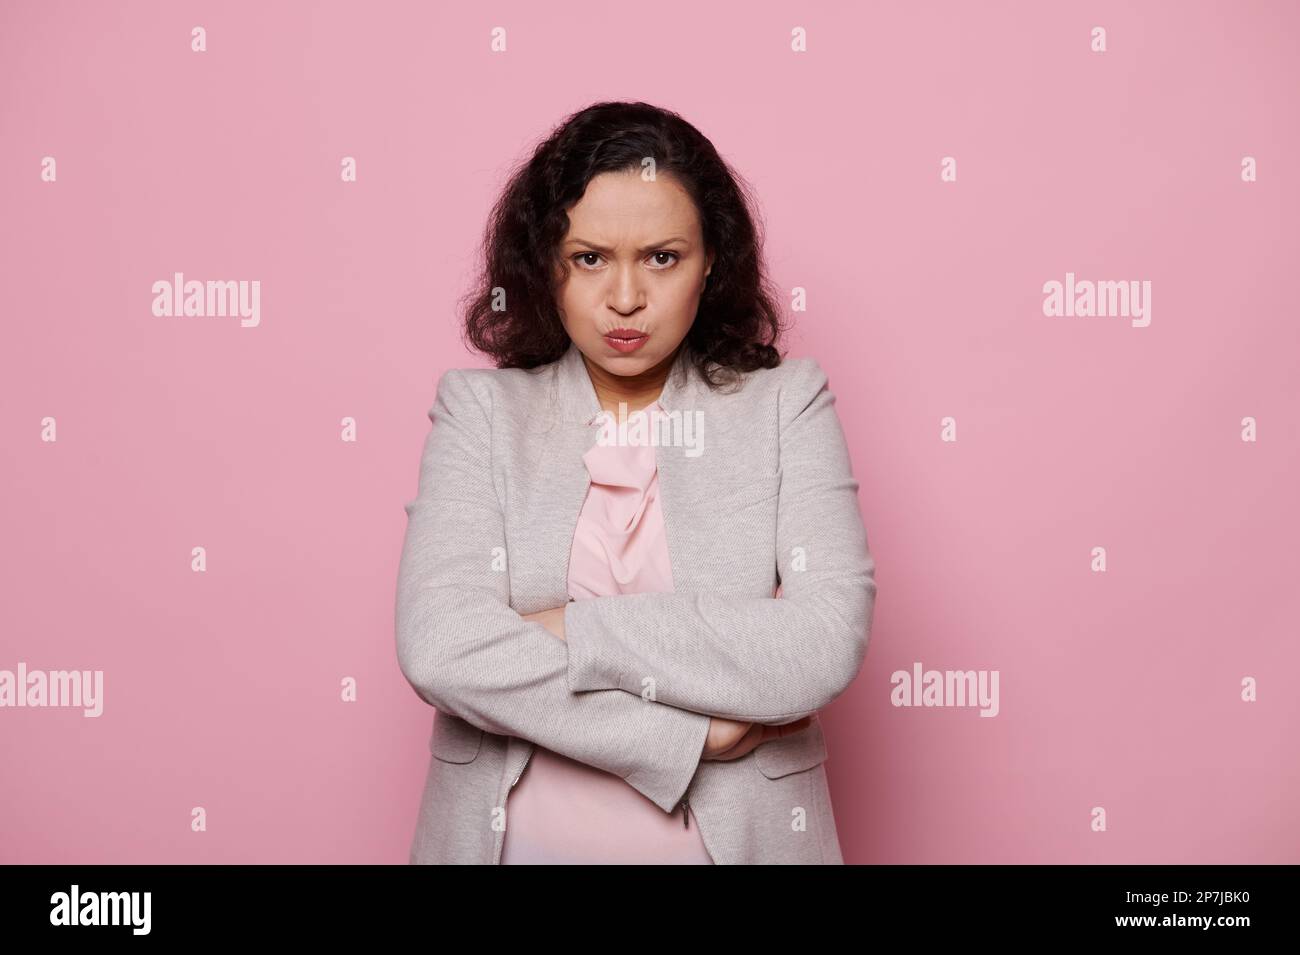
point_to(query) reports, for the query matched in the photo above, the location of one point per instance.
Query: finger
(747, 741)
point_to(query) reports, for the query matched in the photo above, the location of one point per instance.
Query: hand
(723, 734)
(552, 620)
(729, 739)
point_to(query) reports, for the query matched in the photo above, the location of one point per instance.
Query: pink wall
(1120, 690)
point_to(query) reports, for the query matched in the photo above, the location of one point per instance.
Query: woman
(627, 625)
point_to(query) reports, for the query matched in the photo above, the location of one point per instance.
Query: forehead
(624, 206)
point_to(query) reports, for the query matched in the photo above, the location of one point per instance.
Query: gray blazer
(757, 493)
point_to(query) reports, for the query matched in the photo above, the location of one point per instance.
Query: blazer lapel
(557, 485)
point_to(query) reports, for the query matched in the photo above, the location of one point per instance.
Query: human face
(633, 259)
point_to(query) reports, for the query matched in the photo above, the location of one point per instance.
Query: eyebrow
(643, 249)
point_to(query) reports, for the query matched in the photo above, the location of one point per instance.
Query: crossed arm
(757, 659)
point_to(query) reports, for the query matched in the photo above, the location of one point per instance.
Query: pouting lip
(626, 334)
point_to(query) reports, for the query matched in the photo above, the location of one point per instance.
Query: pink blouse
(562, 811)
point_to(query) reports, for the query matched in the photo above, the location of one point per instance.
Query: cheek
(569, 297)
(683, 298)
(574, 301)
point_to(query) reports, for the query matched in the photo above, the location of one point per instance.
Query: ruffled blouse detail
(622, 548)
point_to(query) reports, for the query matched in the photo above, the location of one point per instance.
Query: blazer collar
(580, 404)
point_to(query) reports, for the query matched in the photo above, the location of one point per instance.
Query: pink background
(222, 689)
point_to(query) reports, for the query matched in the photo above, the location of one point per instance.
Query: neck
(637, 391)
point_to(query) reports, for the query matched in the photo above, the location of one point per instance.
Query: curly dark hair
(738, 324)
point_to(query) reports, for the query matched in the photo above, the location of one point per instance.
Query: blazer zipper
(522, 768)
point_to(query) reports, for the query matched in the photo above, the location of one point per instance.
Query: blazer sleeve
(760, 659)
(466, 651)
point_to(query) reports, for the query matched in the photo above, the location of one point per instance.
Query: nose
(626, 293)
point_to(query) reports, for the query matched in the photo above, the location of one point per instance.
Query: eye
(582, 255)
(674, 255)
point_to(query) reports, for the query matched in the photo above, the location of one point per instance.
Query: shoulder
(792, 385)
(477, 391)
(793, 374)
